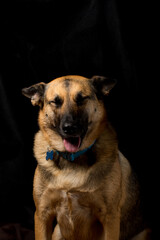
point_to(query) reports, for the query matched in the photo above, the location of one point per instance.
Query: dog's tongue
(72, 144)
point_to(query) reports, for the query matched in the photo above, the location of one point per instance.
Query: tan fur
(93, 197)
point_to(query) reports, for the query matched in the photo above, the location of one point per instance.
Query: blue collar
(69, 156)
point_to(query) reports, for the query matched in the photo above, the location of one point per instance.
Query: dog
(84, 187)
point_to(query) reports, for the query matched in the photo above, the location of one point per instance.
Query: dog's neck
(66, 155)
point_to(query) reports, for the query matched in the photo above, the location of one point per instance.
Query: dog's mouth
(72, 144)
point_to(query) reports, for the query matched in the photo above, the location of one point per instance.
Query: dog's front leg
(111, 227)
(43, 228)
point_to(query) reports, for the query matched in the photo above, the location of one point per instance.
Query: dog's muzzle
(72, 132)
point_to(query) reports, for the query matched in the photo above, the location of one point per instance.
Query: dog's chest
(75, 210)
(69, 179)
(74, 206)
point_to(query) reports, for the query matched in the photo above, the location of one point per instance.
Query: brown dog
(84, 188)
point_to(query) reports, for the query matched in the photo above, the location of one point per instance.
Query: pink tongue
(72, 146)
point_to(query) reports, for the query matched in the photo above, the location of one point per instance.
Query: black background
(42, 40)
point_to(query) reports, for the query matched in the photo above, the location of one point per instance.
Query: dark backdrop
(45, 39)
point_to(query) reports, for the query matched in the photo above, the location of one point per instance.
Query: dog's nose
(69, 128)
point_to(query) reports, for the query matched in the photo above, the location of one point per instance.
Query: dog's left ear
(35, 93)
(102, 85)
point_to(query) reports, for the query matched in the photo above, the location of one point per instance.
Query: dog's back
(132, 221)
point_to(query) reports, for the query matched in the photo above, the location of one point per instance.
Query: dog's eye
(80, 99)
(57, 101)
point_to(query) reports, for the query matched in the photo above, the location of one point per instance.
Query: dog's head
(72, 113)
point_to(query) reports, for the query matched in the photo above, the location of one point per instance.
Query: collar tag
(49, 155)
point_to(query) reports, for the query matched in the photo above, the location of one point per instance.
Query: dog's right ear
(35, 93)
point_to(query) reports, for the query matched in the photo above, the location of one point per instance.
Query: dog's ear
(35, 93)
(102, 85)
